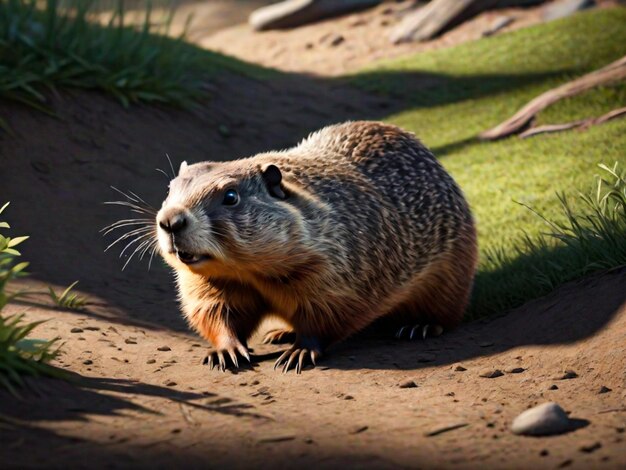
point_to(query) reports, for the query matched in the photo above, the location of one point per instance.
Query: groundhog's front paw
(307, 350)
(297, 357)
(226, 358)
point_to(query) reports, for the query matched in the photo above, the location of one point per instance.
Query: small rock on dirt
(490, 373)
(164, 348)
(553, 387)
(130, 341)
(543, 420)
(568, 374)
(150, 361)
(76, 330)
(408, 384)
(460, 368)
(92, 328)
(87, 362)
(589, 448)
(336, 40)
(604, 389)
(514, 370)
(171, 383)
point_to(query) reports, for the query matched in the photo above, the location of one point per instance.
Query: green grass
(19, 355)
(451, 95)
(45, 45)
(68, 299)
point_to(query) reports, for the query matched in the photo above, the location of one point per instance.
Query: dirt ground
(342, 45)
(140, 396)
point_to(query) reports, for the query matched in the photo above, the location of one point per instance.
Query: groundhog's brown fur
(357, 222)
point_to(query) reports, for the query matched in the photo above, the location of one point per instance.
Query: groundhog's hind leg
(279, 336)
(440, 295)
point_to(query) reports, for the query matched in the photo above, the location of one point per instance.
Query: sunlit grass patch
(451, 95)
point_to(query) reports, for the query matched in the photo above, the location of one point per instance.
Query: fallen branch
(580, 124)
(613, 72)
(440, 16)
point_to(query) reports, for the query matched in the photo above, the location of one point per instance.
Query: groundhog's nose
(173, 223)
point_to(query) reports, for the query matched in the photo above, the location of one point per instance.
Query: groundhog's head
(227, 220)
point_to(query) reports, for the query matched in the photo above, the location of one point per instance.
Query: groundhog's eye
(231, 197)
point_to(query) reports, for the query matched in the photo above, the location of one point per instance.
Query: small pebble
(460, 369)
(514, 370)
(92, 328)
(87, 362)
(150, 361)
(76, 330)
(604, 389)
(130, 341)
(491, 373)
(565, 463)
(336, 40)
(544, 453)
(545, 419)
(164, 348)
(171, 384)
(589, 448)
(553, 387)
(568, 374)
(348, 397)
(408, 384)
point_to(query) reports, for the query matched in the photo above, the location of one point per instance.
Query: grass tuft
(19, 356)
(68, 299)
(51, 44)
(588, 240)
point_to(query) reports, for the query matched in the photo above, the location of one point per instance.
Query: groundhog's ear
(183, 167)
(273, 177)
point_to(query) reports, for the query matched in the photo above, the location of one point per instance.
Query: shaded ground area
(136, 405)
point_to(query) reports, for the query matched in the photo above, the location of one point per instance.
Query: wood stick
(580, 124)
(613, 72)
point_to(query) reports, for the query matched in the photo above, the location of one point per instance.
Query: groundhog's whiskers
(125, 223)
(142, 238)
(138, 233)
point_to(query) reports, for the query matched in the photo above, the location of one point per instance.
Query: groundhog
(357, 222)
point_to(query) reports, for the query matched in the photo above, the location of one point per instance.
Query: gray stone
(490, 373)
(565, 8)
(543, 420)
(292, 13)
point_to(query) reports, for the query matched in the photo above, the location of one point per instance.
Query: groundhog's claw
(217, 358)
(279, 336)
(302, 355)
(410, 331)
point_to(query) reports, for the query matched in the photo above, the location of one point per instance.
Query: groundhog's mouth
(190, 258)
